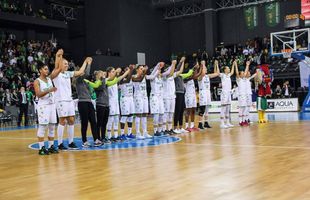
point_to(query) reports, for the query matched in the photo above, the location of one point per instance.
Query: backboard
(295, 41)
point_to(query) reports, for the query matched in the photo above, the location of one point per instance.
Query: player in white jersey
(249, 94)
(46, 108)
(113, 101)
(169, 97)
(64, 103)
(205, 94)
(226, 95)
(191, 99)
(141, 100)
(242, 93)
(156, 99)
(126, 103)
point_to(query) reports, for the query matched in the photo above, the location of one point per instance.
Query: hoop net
(286, 53)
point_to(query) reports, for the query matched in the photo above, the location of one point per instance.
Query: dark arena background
(155, 99)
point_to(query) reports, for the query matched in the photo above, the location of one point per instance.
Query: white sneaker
(229, 125)
(86, 144)
(177, 131)
(147, 136)
(182, 130)
(223, 126)
(140, 137)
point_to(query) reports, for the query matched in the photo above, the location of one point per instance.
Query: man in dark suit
(23, 106)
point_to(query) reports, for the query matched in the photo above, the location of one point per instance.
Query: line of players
(172, 90)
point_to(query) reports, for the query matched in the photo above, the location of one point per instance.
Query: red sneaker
(241, 123)
(189, 129)
(195, 129)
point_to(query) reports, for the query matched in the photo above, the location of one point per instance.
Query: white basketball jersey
(113, 93)
(126, 89)
(169, 87)
(157, 86)
(242, 86)
(226, 82)
(248, 86)
(63, 84)
(140, 88)
(190, 88)
(204, 83)
(44, 86)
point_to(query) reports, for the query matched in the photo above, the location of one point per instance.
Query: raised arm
(152, 76)
(188, 74)
(232, 68)
(235, 65)
(81, 71)
(127, 79)
(58, 61)
(171, 69)
(180, 67)
(123, 75)
(197, 71)
(95, 84)
(216, 71)
(40, 93)
(247, 67)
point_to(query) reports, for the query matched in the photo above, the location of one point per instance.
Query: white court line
(246, 146)
(17, 138)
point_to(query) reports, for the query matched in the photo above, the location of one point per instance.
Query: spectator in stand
(286, 90)
(14, 97)
(278, 92)
(23, 106)
(7, 98)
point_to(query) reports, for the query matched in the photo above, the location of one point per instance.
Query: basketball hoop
(286, 53)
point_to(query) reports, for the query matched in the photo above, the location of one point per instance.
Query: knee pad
(110, 122)
(51, 130)
(123, 119)
(41, 130)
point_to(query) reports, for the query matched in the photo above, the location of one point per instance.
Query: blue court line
(17, 128)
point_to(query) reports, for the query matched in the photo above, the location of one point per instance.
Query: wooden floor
(270, 161)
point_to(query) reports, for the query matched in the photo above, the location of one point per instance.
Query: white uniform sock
(138, 124)
(144, 124)
(70, 129)
(60, 133)
(41, 144)
(192, 124)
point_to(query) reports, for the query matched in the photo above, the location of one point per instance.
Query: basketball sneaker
(157, 134)
(98, 143)
(62, 147)
(206, 125)
(52, 149)
(43, 151)
(223, 126)
(147, 136)
(86, 144)
(229, 125)
(131, 136)
(73, 146)
(177, 131)
(200, 126)
(182, 130)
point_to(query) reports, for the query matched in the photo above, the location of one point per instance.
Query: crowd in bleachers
(18, 65)
(22, 8)
(252, 49)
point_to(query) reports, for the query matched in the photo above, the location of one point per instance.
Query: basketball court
(262, 161)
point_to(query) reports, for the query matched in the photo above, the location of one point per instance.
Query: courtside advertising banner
(274, 105)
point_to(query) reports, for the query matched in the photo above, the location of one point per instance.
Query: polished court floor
(267, 161)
